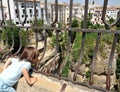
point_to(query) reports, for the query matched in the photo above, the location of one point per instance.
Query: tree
(88, 25)
(111, 20)
(75, 23)
(7, 32)
(118, 26)
(39, 22)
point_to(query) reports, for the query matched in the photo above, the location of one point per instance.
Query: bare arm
(30, 80)
(8, 62)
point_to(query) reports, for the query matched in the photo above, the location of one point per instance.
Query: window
(36, 10)
(27, 5)
(23, 11)
(42, 10)
(22, 5)
(16, 11)
(31, 5)
(27, 21)
(17, 22)
(30, 21)
(36, 5)
(22, 16)
(17, 15)
(30, 10)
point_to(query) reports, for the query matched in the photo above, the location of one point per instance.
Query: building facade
(23, 11)
(2, 13)
(96, 11)
(29, 13)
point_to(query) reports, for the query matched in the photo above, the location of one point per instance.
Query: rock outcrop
(100, 70)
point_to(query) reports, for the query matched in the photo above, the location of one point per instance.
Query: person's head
(30, 54)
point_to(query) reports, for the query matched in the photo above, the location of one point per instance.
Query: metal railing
(52, 26)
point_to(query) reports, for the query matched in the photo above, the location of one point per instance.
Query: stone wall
(49, 84)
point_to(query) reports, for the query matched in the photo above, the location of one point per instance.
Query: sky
(110, 2)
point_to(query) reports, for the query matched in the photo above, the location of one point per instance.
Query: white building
(112, 12)
(18, 15)
(2, 15)
(30, 11)
(46, 19)
(97, 16)
(78, 10)
(96, 11)
(63, 13)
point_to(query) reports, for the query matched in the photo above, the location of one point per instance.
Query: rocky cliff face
(100, 69)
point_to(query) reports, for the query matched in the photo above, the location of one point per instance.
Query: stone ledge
(49, 84)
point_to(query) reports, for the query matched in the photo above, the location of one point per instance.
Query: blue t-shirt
(13, 72)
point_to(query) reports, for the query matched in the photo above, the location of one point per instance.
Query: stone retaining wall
(49, 84)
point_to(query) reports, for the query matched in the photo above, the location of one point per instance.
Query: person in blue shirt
(15, 67)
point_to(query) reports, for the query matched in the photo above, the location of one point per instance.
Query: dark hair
(29, 53)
